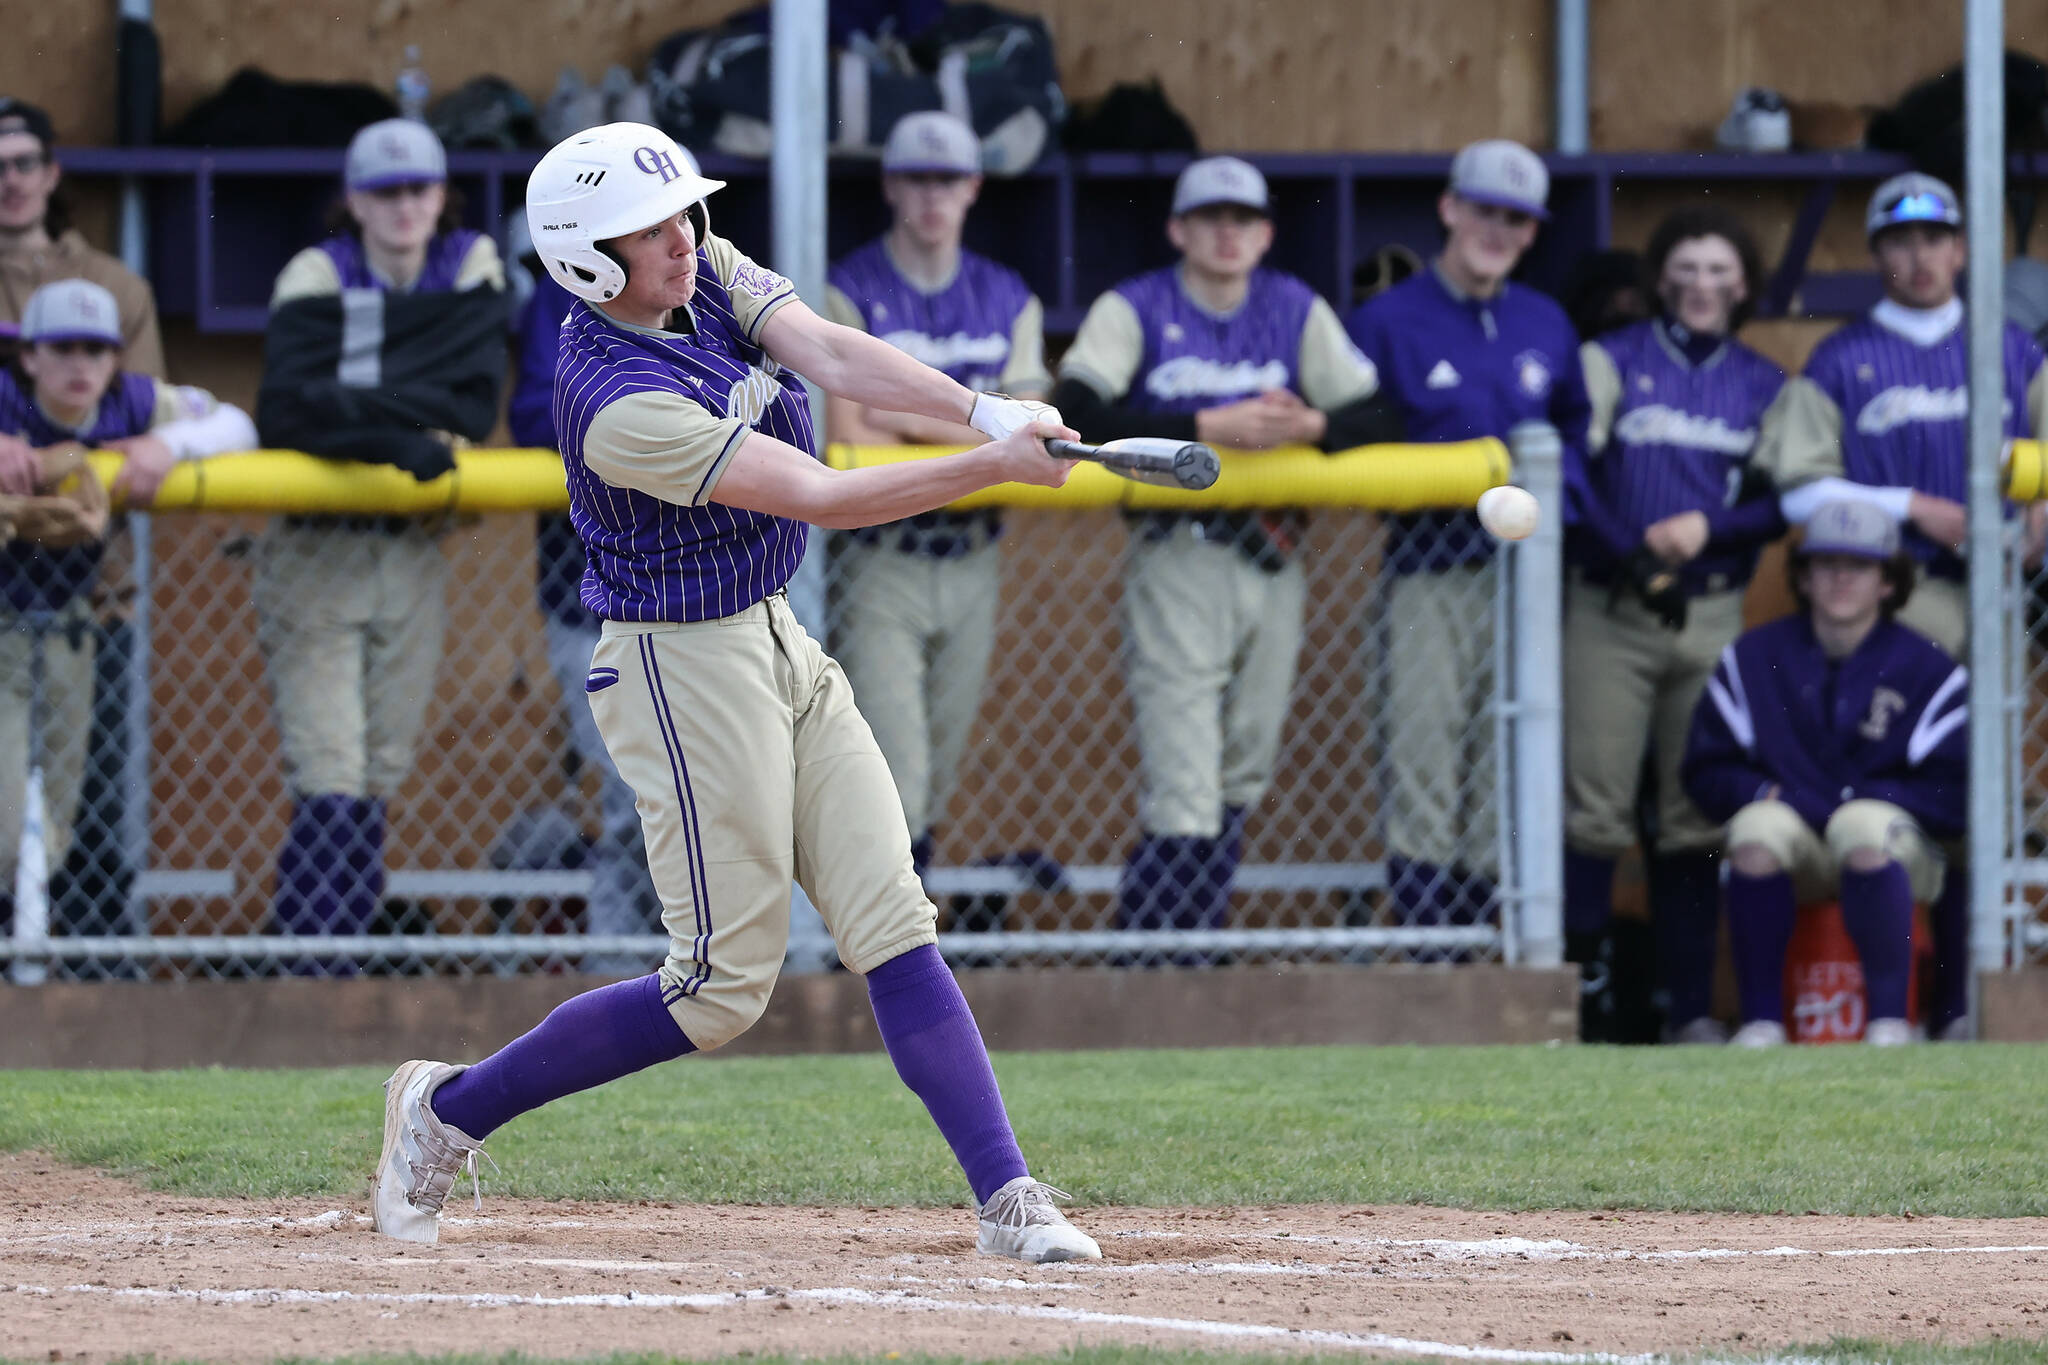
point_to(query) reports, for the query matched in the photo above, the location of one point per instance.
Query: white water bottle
(413, 86)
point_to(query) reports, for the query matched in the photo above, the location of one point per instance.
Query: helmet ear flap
(699, 215)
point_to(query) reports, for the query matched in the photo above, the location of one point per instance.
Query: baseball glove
(69, 506)
(1657, 585)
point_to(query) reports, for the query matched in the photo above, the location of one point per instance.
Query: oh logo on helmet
(654, 161)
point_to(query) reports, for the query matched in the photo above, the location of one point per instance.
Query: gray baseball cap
(932, 142)
(1848, 527)
(1502, 173)
(1912, 198)
(1220, 180)
(397, 151)
(71, 310)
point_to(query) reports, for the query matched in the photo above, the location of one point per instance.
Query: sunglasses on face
(91, 350)
(28, 163)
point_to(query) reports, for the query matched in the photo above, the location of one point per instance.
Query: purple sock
(1685, 898)
(1761, 912)
(1951, 917)
(932, 1038)
(1588, 892)
(596, 1037)
(1877, 910)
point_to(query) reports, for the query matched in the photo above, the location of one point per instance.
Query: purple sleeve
(1361, 326)
(1719, 773)
(1751, 520)
(531, 414)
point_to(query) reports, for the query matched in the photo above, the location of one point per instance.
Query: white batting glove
(997, 415)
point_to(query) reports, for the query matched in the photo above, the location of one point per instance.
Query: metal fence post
(32, 870)
(1536, 804)
(1984, 102)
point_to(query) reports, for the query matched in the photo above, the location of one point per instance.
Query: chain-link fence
(1384, 833)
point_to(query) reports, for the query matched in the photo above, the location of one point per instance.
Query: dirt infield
(91, 1267)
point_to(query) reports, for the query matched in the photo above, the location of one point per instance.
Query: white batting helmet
(602, 183)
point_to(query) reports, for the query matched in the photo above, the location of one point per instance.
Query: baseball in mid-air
(1508, 512)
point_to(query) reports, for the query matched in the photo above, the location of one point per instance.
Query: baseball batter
(915, 601)
(1676, 403)
(692, 469)
(1217, 349)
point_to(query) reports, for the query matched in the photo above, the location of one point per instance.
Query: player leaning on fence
(692, 469)
(914, 603)
(1676, 406)
(386, 345)
(72, 395)
(1464, 354)
(1219, 349)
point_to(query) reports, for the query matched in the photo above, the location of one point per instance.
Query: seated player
(1834, 742)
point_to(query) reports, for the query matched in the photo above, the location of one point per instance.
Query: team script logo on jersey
(749, 398)
(1884, 705)
(1190, 376)
(1532, 372)
(1657, 425)
(1903, 403)
(955, 349)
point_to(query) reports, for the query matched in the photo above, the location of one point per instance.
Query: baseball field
(1557, 1204)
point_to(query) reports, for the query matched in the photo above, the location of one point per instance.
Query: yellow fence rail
(1386, 478)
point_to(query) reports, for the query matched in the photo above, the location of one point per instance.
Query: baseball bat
(1148, 459)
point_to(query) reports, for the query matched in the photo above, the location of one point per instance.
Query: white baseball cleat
(1888, 1033)
(1019, 1221)
(1759, 1033)
(421, 1156)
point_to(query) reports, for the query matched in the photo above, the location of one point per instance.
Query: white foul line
(1364, 1341)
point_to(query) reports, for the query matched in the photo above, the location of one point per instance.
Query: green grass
(1931, 1130)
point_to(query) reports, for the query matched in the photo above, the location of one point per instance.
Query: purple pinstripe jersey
(1682, 434)
(1887, 723)
(651, 560)
(963, 330)
(44, 580)
(1194, 359)
(1904, 412)
(445, 254)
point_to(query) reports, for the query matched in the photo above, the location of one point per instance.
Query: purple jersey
(445, 255)
(1195, 359)
(1904, 412)
(1887, 723)
(963, 331)
(1460, 368)
(44, 580)
(652, 560)
(1680, 440)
